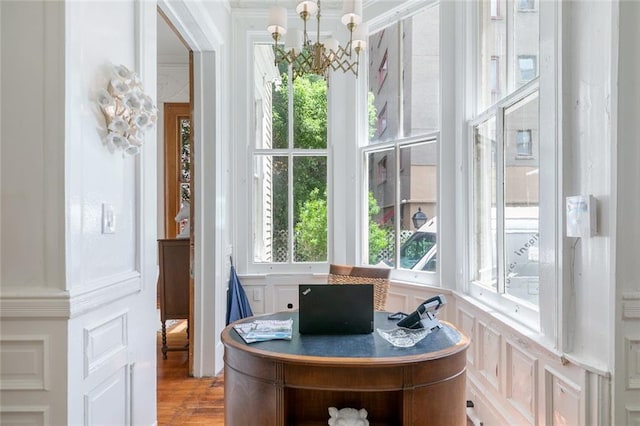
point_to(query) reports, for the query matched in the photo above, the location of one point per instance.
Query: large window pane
(271, 100)
(271, 206)
(310, 208)
(310, 112)
(418, 204)
(508, 50)
(381, 200)
(484, 201)
(521, 199)
(421, 72)
(404, 99)
(492, 82)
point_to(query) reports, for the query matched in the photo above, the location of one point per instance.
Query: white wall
(80, 330)
(587, 169)
(627, 231)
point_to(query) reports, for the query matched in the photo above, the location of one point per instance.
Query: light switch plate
(108, 219)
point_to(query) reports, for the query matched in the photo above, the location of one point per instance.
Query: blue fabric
(238, 306)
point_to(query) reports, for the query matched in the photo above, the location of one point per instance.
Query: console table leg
(164, 340)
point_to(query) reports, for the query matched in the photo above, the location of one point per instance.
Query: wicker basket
(379, 277)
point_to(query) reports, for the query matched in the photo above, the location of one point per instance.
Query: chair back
(379, 277)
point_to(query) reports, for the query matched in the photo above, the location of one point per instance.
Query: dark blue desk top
(349, 346)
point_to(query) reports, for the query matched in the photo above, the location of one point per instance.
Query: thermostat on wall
(581, 216)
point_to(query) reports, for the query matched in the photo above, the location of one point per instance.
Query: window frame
(290, 152)
(515, 307)
(553, 301)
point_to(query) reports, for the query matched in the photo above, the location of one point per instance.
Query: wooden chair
(379, 277)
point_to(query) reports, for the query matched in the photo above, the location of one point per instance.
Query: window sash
(527, 312)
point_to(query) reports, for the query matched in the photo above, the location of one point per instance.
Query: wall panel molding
(44, 303)
(109, 401)
(103, 342)
(521, 381)
(24, 362)
(104, 291)
(24, 415)
(632, 351)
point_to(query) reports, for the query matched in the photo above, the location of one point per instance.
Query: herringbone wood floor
(184, 400)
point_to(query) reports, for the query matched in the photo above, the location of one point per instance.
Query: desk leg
(164, 341)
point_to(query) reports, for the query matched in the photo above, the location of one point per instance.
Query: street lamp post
(419, 218)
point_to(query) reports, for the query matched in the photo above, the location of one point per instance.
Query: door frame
(193, 23)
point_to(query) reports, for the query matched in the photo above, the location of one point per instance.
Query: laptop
(335, 308)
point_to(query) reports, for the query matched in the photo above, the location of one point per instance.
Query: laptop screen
(335, 308)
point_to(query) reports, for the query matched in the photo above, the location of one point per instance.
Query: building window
(524, 144)
(526, 5)
(289, 175)
(495, 75)
(382, 171)
(527, 67)
(495, 9)
(382, 120)
(382, 71)
(402, 160)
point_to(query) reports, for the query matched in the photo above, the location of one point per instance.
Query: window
(505, 187)
(382, 120)
(382, 71)
(524, 143)
(508, 52)
(495, 77)
(495, 9)
(527, 67)
(407, 106)
(289, 200)
(526, 5)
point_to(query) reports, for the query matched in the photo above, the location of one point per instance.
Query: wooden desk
(294, 382)
(173, 284)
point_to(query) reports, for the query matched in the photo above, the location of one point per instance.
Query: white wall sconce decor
(129, 111)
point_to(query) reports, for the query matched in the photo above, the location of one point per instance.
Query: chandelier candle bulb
(352, 13)
(277, 21)
(360, 36)
(306, 8)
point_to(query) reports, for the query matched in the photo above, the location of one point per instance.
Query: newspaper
(262, 330)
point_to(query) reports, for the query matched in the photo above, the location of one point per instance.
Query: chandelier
(308, 57)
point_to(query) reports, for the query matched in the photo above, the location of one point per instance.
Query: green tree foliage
(373, 116)
(309, 132)
(377, 234)
(311, 230)
(310, 179)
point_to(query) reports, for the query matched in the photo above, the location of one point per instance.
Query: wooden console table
(294, 382)
(173, 284)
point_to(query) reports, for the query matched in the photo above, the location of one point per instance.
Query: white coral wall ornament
(128, 111)
(348, 417)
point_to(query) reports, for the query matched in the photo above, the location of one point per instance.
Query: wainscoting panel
(108, 402)
(103, 342)
(24, 362)
(24, 416)
(466, 322)
(633, 416)
(521, 380)
(633, 363)
(489, 353)
(564, 398)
